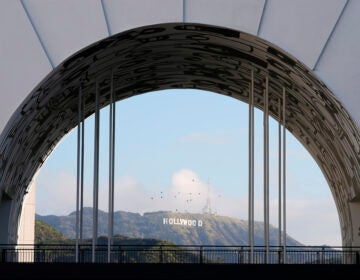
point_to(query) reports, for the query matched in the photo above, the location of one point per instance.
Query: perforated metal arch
(178, 55)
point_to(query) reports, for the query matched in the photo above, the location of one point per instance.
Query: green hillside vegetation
(47, 234)
(214, 230)
(124, 241)
(124, 249)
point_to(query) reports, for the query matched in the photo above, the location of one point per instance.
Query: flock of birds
(162, 195)
(188, 197)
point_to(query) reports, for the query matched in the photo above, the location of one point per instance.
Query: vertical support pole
(279, 183)
(96, 172)
(251, 168)
(266, 168)
(82, 170)
(284, 172)
(111, 166)
(78, 163)
(279, 173)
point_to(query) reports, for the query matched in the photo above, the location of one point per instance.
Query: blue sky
(175, 142)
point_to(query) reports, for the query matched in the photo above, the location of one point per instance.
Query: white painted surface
(242, 15)
(23, 63)
(26, 234)
(67, 26)
(300, 27)
(339, 64)
(127, 14)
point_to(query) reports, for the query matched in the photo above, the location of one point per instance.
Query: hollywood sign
(182, 222)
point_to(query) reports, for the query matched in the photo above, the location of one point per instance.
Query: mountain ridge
(180, 228)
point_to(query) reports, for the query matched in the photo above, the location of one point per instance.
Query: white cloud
(55, 193)
(186, 193)
(130, 195)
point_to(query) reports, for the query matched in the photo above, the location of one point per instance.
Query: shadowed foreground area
(170, 271)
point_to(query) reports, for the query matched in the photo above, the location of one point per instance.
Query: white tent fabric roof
(37, 35)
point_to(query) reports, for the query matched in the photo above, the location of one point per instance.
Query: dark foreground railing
(179, 254)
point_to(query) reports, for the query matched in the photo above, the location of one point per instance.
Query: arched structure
(178, 55)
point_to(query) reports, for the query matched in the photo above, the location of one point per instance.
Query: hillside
(47, 234)
(179, 228)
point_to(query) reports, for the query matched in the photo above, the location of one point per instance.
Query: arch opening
(167, 138)
(182, 55)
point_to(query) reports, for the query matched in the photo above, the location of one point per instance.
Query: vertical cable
(111, 166)
(82, 170)
(251, 168)
(78, 157)
(113, 161)
(110, 175)
(96, 171)
(279, 173)
(284, 172)
(266, 168)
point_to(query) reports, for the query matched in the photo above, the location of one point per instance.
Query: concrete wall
(26, 234)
